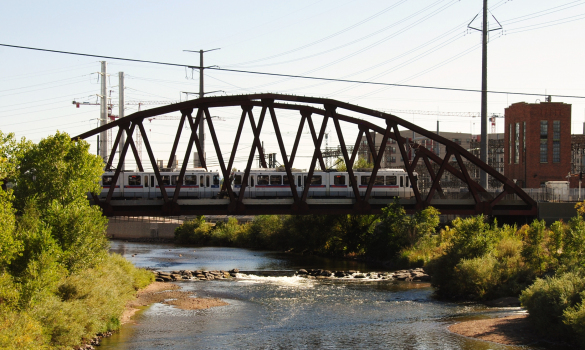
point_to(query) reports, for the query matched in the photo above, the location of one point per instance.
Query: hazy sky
(421, 42)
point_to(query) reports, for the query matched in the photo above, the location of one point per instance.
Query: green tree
(11, 152)
(360, 163)
(57, 168)
(10, 246)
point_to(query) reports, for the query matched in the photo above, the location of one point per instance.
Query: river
(288, 312)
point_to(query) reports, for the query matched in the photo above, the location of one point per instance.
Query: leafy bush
(227, 233)
(555, 304)
(397, 230)
(196, 231)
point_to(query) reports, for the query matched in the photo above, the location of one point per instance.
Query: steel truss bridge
(508, 200)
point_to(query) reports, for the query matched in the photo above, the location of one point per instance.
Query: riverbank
(167, 293)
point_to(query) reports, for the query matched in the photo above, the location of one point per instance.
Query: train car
(197, 183)
(273, 183)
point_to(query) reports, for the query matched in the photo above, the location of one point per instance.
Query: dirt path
(167, 293)
(511, 330)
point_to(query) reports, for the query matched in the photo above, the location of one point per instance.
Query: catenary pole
(484, 125)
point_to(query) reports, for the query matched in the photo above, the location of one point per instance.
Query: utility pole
(484, 141)
(121, 113)
(201, 94)
(104, 113)
(484, 122)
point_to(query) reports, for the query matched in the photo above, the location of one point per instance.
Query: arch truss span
(443, 181)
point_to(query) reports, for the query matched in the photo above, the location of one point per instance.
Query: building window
(544, 129)
(517, 144)
(524, 143)
(544, 141)
(510, 144)
(556, 152)
(543, 151)
(556, 141)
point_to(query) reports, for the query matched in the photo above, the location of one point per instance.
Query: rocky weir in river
(411, 275)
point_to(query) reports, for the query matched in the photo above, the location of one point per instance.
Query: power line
(287, 75)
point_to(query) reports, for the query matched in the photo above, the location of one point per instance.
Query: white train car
(272, 183)
(197, 183)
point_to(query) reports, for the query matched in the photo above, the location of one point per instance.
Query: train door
(338, 184)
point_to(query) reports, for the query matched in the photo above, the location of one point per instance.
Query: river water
(287, 312)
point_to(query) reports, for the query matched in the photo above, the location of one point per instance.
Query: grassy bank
(59, 287)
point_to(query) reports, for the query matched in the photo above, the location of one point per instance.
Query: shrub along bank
(471, 259)
(59, 286)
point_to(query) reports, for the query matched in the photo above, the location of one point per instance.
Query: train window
(407, 182)
(107, 180)
(275, 180)
(262, 180)
(365, 180)
(252, 180)
(166, 180)
(174, 179)
(207, 181)
(315, 180)
(134, 180)
(391, 180)
(145, 180)
(379, 180)
(201, 181)
(299, 181)
(216, 180)
(339, 180)
(402, 181)
(238, 180)
(151, 180)
(190, 180)
(285, 180)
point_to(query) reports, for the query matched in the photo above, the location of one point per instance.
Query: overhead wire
(287, 75)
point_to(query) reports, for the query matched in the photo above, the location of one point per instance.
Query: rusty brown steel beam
(178, 136)
(256, 132)
(355, 148)
(291, 179)
(402, 148)
(449, 167)
(194, 127)
(432, 174)
(348, 161)
(224, 171)
(314, 136)
(444, 163)
(257, 142)
(371, 145)
(114, 146)
(134, 150)
(316, 153)
(378, 162)
(163, 190)
(187, 156)
(245, 110)
(467, 177)
(119, 167)
(298, 137)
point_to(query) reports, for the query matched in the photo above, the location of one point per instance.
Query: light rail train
(197, 183)
(261, 183)
(272, 183)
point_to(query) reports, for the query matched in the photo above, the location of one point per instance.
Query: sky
(538, 50)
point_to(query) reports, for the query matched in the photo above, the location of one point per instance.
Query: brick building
(537, 143)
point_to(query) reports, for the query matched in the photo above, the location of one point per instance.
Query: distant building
(537, 143)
